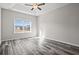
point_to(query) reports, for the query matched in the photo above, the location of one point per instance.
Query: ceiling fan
(35, 5)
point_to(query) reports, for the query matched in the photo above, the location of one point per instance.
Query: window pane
(27, 28)
(19, 28)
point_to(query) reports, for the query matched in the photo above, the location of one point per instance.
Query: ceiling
(20, 7)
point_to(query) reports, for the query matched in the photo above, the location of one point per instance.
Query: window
(22, 26)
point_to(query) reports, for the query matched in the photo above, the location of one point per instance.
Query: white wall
(8, 18)
(61, 24)
(0, 25)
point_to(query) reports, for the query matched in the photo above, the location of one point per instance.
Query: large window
(22, 26)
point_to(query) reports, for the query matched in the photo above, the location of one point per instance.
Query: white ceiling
(20, 7)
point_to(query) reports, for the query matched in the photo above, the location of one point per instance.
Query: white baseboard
(64, 42)
(18, 38)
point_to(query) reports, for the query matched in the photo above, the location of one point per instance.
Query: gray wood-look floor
(31, 46)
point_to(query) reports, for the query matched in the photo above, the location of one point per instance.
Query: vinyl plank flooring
(30, 46)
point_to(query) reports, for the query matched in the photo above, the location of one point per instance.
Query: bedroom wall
(61, 24)
(8, 18)
(0, 25)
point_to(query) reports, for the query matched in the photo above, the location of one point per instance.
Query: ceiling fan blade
(39, 8)
(32, 8)
(41, 4)
(27, 5)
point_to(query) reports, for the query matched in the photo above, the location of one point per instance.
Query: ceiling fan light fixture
(35, 5)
